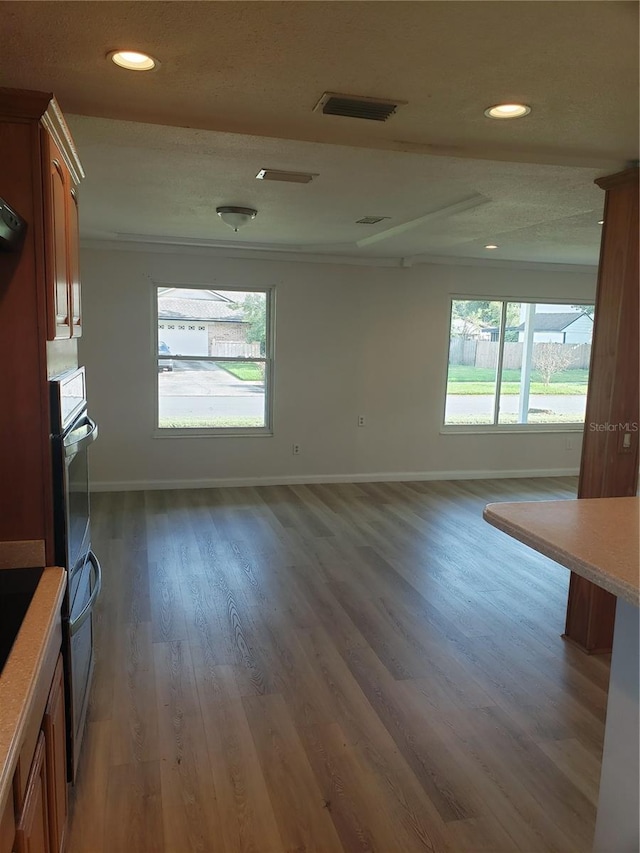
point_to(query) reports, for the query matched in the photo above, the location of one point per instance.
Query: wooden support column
(609, 465)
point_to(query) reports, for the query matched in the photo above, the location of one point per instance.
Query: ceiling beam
(467, 203)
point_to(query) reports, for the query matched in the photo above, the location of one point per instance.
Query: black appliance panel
(12, 227)
(72, 431)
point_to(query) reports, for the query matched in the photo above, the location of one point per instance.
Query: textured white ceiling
(150, 180)
(235, 93)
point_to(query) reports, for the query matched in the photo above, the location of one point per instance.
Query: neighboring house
(567, 327)
(202, 322)
(492, 333)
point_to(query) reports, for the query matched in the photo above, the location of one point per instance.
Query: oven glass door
(77, 509)
(81, 648)
(76, 443)
(84, 594)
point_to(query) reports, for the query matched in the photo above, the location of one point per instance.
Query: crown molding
(627, 176)
(245, 253)
(505, 264)
(24, 103)
(54, 122)
(188, 246)
(30, 105)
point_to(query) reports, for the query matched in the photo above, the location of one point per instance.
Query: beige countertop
(20, 674)
(598, 538)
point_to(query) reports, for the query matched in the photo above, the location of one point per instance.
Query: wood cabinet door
(32, 835)
(7, 827)
(57, 253)
(56, 753)
(74, 265)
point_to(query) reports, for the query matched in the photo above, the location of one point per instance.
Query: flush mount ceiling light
(507, 111)
(491, 246)
(236, 217)
(132, 60)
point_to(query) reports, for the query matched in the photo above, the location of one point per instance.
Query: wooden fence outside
(485, 354)
(236, 349)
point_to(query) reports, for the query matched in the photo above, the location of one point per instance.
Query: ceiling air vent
(357, 106)
(289, 177)
(371, 220)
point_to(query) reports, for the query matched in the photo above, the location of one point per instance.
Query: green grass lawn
(513, 388)
(533, 418)
(481, 380)
(209, 422)
(245, 370)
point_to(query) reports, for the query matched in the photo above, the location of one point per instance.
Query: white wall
(350, 340)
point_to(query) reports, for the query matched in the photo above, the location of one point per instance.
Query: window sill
(497, 429)
(212, 433)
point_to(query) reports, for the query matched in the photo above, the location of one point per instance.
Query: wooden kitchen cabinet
(53, 726)
(7, 828)
(32, 835)
(62, 261)
(40, 320)
(75, 290)
(35, 818)
(56, 195)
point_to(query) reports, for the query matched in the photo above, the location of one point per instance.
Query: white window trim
(496, 429)
(217, 432)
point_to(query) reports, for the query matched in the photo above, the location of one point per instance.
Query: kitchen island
(599, 538)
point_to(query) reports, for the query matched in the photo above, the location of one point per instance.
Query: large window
(214, 359)
(517, 363)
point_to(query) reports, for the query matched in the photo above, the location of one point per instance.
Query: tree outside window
(517, 363)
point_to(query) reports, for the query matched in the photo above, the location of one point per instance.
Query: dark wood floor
(334, 668)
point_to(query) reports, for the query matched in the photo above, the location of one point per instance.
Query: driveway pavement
(194, 379)
(203, 389)
(481, 404)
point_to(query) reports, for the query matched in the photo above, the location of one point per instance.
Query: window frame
(496, 428)
(268, 359)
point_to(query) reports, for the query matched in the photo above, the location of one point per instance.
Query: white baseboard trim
(381, 477)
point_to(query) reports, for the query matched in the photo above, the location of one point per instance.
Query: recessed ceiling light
(507, 111)
(132, 60)
(491, 246)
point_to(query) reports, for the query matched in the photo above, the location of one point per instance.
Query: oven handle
(76, 624)
(74, 447)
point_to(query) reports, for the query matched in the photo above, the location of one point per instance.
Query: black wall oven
(72, 433)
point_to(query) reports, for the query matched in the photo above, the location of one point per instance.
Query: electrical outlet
(295, 449)
(360, 420)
